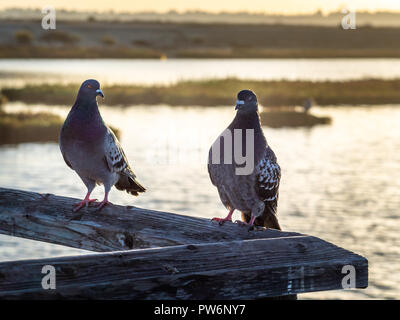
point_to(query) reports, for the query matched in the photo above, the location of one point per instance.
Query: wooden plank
(250, 269)
(50, 218)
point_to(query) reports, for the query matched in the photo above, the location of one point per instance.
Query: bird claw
(221, 221)
(83, 203)
(241, 223)
(245, 224)
(102, 204)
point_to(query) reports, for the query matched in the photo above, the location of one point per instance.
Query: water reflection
(18, 72)
(340, 181)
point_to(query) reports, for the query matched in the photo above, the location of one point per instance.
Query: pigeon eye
(89, 86)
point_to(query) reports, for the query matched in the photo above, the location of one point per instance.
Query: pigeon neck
(251, 120)
(85, 105)
(86, 112)
(247, 120)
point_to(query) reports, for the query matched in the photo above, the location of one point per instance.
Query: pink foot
(244, 223)
(227, 218)
(102, 204)
(222, 220)
(83, 203)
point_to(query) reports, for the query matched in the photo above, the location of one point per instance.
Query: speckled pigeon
(254, 193)
(90, 148)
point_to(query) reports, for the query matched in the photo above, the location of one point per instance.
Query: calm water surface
(18, 72)
(340, 182)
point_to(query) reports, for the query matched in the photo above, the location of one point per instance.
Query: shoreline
(124, 52)
(159, 40)
(26, 126)
(213, 93)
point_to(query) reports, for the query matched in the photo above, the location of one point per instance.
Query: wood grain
(49, 218)
(249, 269)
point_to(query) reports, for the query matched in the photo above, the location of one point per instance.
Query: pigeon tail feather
(268, 218)
(127, 181)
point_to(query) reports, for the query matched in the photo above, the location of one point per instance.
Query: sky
(266, 6)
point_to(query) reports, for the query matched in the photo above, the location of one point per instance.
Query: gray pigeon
(91, 148)
(254, 193)
(307, 104)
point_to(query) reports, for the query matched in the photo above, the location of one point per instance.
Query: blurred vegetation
(31, 127)
(3, 100)
(62, 37)
(91, 19)
(141, 43)
(272, 53)
(194, 40)
(108, 40)
(145, 50)
(24, 37)
(81, 52)
(222, 93)
(291, 118)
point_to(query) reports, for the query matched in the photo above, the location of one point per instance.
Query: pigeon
(92, 150)
(307, 104)
(253, 193)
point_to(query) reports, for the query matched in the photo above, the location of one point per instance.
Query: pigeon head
(90, 89)
(246, 102)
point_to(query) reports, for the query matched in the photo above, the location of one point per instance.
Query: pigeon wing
(60, 143)
(116, 161)
(211, 169)
(66, 161)
(267, 181)
(114, 157)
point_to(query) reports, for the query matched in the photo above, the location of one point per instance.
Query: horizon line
(182, 12)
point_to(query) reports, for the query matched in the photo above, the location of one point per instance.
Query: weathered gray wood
(249, 269)
(50, 218)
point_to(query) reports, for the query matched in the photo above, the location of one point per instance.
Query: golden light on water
(340, 179)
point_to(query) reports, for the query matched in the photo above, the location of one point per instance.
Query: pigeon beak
(100, 93)
(238, 104)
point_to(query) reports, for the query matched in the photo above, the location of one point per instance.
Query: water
(18, 72)
(340, 182)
